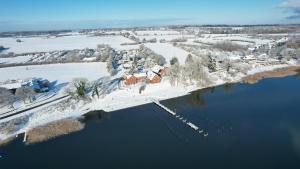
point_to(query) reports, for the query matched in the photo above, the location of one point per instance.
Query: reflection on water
(293, 129)
(227, 88)
(297, 76)
(6, 141)
(96, 116)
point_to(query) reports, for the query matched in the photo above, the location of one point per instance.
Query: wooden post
(25, 137)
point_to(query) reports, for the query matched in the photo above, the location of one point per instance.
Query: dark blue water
(249, 126)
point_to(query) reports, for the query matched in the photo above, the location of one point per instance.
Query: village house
(130, 80)
(152, 76)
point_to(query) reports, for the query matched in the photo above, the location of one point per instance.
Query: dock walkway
(189, 124)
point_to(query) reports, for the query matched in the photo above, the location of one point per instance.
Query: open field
(47, 44)
(60, 72)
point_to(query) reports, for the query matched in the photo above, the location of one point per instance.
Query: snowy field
(166, 37)
(239, 39)
(125, 96)
(60, 72)
(168, 51)
(13, 60)
(44, 44)
(156, 32)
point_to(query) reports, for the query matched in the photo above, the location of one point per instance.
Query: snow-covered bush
(95, 89)
(78, 88)
(212, 64)
(110, 66)
(241, 67)
(174, 61)
(142, 88)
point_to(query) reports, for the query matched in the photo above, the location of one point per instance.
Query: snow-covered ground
(120, 99)
(45, 44)
(13, 60)
(239, 39)
(166, 37)
(125, 97)
(156, 32)
(168, 51)
(61, 72)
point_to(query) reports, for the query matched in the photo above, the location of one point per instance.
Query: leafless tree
(174, 74)
(25, 94)
(104, 53)
(6, 97)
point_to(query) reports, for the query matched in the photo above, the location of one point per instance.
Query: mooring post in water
(25, 137)
(190, 124)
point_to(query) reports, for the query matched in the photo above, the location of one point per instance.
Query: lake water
(249, 126)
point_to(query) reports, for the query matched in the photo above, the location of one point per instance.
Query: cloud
(293, 6)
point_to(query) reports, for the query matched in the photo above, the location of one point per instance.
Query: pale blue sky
(18, 15)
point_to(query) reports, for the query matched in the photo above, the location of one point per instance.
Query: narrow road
(10, 114)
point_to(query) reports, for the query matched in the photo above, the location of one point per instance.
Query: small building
(130, 80)
(141, 77)
(153, 77)
(162, 71)
(134, 79)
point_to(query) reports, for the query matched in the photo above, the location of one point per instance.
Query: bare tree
(6, 97)
(25, 94)
(192, 72)
(104, 53)
(294, 43)
(174, 74)
(189, 59)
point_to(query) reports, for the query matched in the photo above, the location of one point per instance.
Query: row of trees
(196, 69)
(228, 46)
(149, 54)
(104, 52)
(193, 72)
(82, 89)
(7, 98)
(285, 51)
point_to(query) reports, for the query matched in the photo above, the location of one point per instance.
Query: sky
(18, 15)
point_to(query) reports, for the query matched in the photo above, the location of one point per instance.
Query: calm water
(249, 126)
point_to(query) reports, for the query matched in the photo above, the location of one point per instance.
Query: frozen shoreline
(119, 100)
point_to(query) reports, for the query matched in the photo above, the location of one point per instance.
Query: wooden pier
(189, 124)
